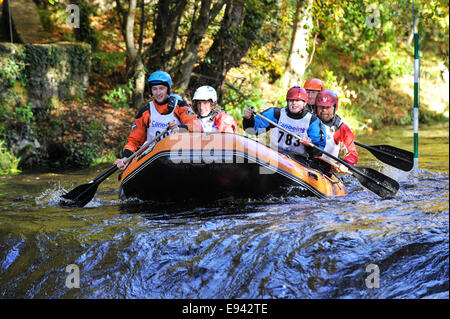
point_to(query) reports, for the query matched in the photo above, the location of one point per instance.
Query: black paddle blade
(79, 196)
(391, 155)
(378, 183)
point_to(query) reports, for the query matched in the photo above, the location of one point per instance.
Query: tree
(137, 70)
(198, 29)
(240, 28)
(298, 53)
(163, 48)
(135, 65)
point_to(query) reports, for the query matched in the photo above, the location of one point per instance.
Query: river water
(360, 246)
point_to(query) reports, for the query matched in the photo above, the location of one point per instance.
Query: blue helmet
(160, 77)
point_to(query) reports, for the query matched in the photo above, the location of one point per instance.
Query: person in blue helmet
(165, 110)
(295, 118)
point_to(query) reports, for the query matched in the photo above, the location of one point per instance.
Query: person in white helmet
(212, 118)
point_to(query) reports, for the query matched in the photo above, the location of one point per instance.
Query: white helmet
(205, 93)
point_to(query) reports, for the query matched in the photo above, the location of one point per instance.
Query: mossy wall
(32, 78)
(36, 73)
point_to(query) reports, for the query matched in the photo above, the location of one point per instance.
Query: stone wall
(32, 78)
(44, 71)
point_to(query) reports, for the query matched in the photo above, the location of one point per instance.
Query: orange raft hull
(199, 166)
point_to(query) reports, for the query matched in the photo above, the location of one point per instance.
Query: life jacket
(208, 122)
(331, 146)
(286, 142)
(159, 122)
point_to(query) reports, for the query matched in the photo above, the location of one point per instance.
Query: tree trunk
(162, 49)
(136, 73)
(198, 29)
(298, 53)
(129, 27)
(240, 27)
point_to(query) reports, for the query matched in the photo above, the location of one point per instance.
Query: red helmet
(297, 93)
(327, 98)
(313, 84)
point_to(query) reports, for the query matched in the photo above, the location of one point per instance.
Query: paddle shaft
(114, 168)
(350, 167)
(91, 187)
(145, 146)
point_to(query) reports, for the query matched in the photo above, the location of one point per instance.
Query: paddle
(391, 155)
(83, 194)
(373, 180)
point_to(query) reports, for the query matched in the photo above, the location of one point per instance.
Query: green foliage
(8, 162)
(106, 63)
(108, 156)
(78, 58)
(10, 70)
(86, 151)
(24, 113)
(79, 155)
(24, 69)
(362, 46)
(39, 58)
(121, 95)
(12, 110)
(235, 102)
(268, 59)
(42, 56)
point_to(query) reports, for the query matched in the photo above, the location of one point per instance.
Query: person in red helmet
(313, 87)
(293, 117)
(339, 137)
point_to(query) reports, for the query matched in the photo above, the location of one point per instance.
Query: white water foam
(51, 196)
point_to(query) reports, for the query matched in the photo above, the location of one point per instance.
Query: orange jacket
(138, 134)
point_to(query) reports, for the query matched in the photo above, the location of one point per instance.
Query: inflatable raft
(207, 167)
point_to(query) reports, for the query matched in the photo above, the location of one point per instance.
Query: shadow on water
(359, 246)
(207, 207)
